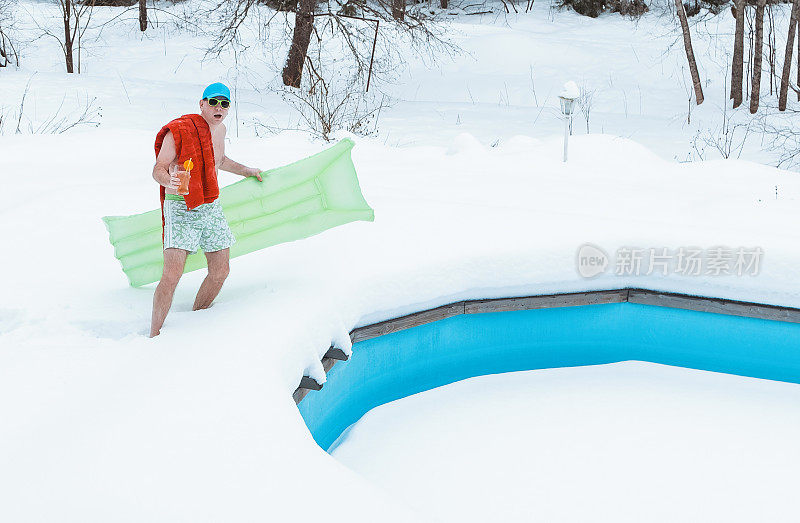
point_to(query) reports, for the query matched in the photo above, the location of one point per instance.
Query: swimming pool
(398, 364)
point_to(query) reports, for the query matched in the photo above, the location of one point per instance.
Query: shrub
(112, 3)
(629, 8)
(593, 8)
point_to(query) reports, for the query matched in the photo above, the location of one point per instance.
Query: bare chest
(218, 141)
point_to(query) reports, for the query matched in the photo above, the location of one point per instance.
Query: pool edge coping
(478, 306)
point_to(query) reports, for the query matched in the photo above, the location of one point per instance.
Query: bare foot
(196, 308)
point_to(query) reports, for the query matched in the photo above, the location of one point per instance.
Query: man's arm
(235, 167)
(166, 156)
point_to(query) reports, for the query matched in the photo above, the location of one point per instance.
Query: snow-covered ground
(630, 441)
(471, 200)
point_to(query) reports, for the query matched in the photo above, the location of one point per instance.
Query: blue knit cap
(217, 89)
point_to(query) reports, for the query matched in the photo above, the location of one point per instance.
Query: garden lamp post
(567, 99)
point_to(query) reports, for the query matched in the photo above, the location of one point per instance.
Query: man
(194, 220)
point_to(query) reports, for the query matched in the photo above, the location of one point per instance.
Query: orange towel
(192, 140)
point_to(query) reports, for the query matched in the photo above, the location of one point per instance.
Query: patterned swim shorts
(203, 227)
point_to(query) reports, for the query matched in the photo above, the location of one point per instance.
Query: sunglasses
(222, 103)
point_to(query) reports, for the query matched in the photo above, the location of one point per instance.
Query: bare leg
(174, 261)
(218, 270)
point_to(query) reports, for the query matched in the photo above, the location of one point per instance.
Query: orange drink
(184, 177)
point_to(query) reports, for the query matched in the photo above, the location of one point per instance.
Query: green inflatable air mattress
(295, 201)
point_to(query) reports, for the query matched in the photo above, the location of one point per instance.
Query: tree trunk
(748, 69)
(787, 58)
(303, 25)
(771, 49)
(67, 5)
(143, 15)
(399, 9)
(738, 54)
(687, 43)
(443, 3)
(755, 88)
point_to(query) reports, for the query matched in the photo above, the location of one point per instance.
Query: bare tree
(332, 95)
(748, 67)
(71, 12)
(738, 53)
(143, 15)
(327, 105)
(585, 103)
(755, 88)
(303, 25)
(8, 50)
(771, 47)
(687, 44)
(419, 25)
(74, 15)
(787, 58)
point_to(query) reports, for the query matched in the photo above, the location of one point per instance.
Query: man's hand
(174, 180)
(254, 171)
